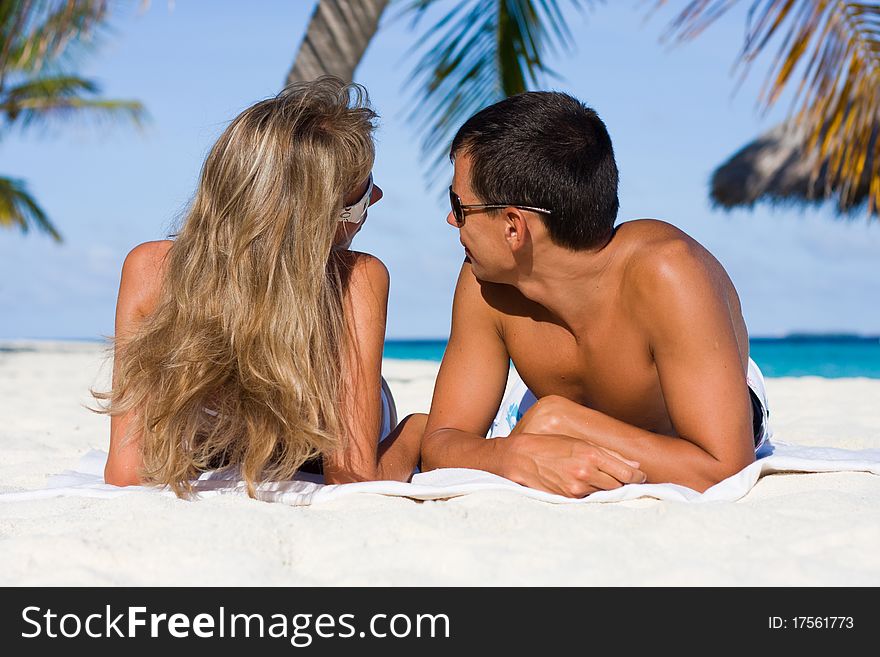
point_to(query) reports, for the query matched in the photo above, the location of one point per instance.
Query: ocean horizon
(832, 355)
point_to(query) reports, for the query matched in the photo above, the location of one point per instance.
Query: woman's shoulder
(147, 256)
(366, 295)
(142, 274)
(366, 270)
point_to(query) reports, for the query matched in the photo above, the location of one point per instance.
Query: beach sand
(791, 529)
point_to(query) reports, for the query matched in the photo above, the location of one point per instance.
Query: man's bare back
(607, 365)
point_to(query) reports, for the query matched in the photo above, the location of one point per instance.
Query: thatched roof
(774, 168)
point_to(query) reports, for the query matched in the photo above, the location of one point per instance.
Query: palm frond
(477, 53)
(835, 46)
(18, 208)
(42, 100)
(33, 32)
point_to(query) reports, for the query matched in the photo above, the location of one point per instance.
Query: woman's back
(257, 312)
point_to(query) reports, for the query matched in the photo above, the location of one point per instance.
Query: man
(631, 338)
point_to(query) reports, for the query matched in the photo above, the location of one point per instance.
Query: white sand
(792, 529)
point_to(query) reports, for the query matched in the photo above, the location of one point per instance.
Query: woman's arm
(363, 459)
(138, 292)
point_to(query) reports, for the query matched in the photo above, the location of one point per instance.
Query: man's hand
(566, 466)
(662, 458)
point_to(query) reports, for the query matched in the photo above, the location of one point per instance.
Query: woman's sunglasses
(458, 209)
(356, 213)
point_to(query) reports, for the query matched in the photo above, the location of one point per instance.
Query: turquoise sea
(830, 356)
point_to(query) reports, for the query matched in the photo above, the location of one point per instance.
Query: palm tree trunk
(336, 38)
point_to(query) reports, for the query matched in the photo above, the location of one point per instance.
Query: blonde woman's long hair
(241, 363)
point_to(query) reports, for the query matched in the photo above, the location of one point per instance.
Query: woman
(255, 338)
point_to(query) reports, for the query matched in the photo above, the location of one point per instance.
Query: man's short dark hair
(548, 150)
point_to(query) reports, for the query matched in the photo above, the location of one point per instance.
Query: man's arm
(467, 394)
(469, 386)
(692, 334)
(682, 303)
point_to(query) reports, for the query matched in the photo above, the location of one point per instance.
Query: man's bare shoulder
(667, 272)
(658, 254)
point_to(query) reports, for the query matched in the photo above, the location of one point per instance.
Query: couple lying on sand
(254, 338)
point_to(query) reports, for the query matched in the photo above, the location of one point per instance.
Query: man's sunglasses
(458, 209)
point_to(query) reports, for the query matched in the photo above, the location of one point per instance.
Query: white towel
(87, 481)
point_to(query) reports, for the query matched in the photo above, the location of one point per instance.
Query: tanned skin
(637, 352)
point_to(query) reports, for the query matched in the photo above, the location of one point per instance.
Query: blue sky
(671, 113)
